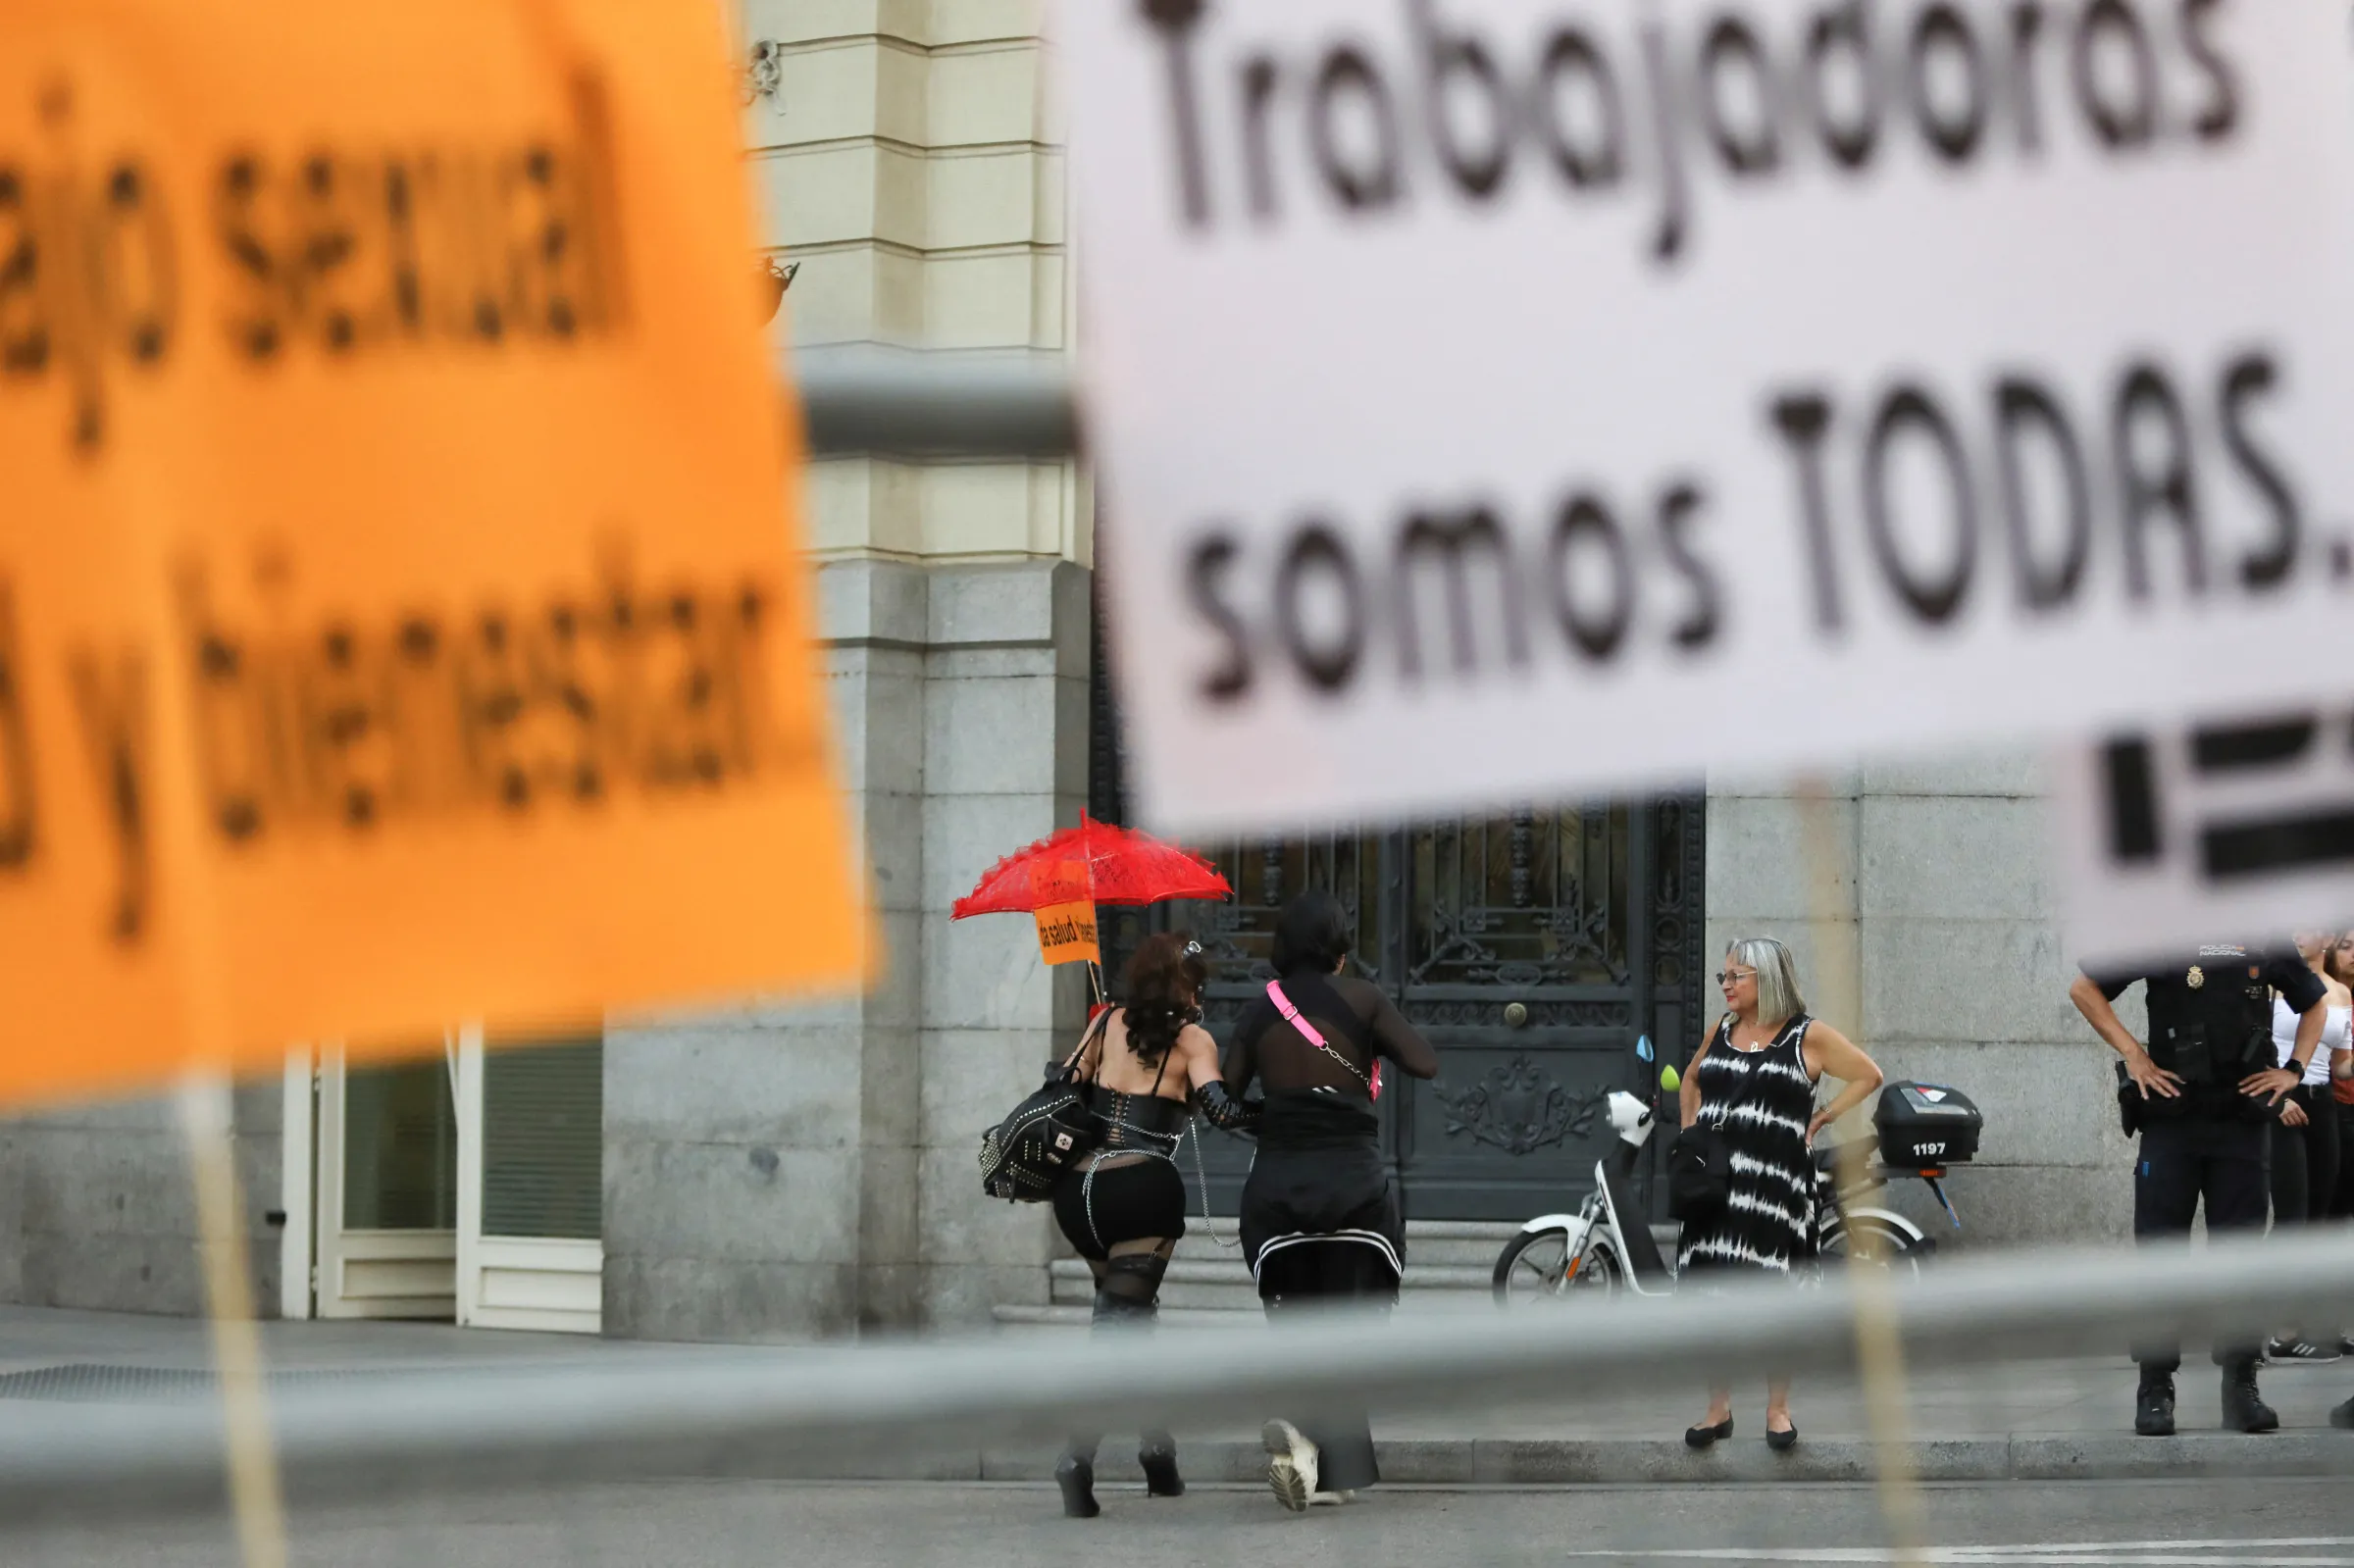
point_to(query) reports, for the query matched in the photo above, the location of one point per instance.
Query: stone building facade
(785, 1170)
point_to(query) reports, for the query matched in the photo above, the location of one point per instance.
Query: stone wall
(1935, 898)
(97, 1208)
(778, 1173)
(910, 158)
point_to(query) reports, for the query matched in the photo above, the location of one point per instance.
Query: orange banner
(1066, 910)
(400, 613)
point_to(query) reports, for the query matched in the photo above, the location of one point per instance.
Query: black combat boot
(2154, 1408)
(1158, 1457)
(2244, 1409)
(1077, 1479)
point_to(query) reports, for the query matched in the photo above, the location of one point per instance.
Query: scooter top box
(1926, 1124)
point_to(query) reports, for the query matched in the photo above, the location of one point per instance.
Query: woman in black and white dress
(1754, 1076)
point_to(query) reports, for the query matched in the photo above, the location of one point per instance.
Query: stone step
(1461, 1243)
(1450, 1267)
(1226, 1284)
(1465, 1243)
(1068, 1318)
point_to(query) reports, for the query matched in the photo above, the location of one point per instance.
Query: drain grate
(100, 1383)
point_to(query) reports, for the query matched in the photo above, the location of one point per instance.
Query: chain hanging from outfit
(1201, 1183)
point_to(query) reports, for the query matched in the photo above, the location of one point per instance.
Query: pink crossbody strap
(1310, 1033)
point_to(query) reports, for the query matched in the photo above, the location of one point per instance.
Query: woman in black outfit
(1123, 1208)
(1320, 1223)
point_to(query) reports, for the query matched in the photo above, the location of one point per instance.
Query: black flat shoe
(1701, 1437)
(1160, 1471)
(1782, 1442)
(1077, 1479)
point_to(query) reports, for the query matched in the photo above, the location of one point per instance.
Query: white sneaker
(1291, 1466)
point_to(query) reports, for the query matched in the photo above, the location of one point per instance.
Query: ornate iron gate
(1531, 948)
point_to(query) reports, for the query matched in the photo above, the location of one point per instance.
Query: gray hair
(1778, 996)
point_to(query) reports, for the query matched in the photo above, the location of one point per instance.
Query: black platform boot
(2244, 1409)
(1158, 1457)
(2154, 1408)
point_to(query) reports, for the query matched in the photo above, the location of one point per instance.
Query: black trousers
(1324, 1275)
(2186, 1161)
(2343, 1207)
(2305, 1161)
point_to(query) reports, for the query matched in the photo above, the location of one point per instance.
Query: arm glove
(1228, 1114)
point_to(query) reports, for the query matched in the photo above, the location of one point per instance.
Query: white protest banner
(1503, 398)
(2241, 828)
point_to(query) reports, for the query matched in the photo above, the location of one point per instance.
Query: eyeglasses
(1726, 976)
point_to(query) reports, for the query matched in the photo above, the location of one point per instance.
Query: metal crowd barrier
(721, 1414)
(937, 405)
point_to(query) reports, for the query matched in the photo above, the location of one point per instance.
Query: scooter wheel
(1532, 1267)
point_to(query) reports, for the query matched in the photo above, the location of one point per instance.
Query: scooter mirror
(1643, 1047)
(1669, 1079)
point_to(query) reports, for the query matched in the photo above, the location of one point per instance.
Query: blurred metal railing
(753, 1413)
(937, 405)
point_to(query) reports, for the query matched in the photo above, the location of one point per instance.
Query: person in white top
(2305, 1143)
(2340, 966)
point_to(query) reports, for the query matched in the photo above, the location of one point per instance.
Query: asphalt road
(727, 1524)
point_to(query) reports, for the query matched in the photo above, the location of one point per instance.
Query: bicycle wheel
(1886, 1245)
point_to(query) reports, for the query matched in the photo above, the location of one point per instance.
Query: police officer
(2204, 1093)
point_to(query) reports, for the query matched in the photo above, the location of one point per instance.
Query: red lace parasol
(1127, 867)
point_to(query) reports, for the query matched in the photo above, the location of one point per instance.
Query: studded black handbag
(1023, 1156)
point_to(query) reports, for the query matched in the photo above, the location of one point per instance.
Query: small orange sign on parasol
(1066, 910)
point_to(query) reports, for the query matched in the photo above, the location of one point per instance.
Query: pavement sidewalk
(2027, 1420)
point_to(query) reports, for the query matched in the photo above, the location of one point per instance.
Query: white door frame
(376, 1273)
(297, 1158)
(552, 1283)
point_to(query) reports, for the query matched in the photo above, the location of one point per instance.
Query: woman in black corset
(1151, 1064)
(1320, 1223)
(1754, 1078)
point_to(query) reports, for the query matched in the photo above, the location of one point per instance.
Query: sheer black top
(1356, 1019)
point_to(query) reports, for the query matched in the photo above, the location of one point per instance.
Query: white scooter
(1606, 1246)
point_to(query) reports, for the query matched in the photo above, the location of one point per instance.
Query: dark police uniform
(2210, 1026)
